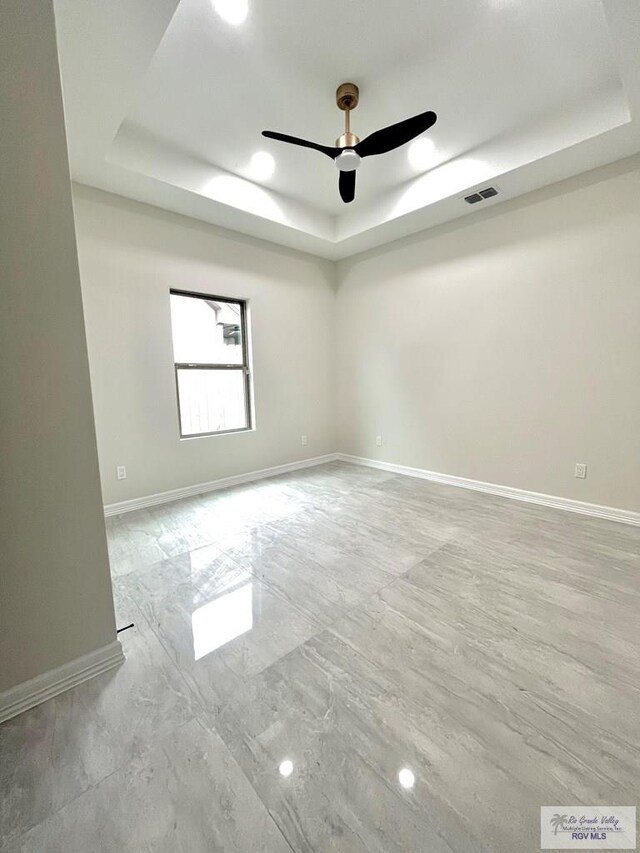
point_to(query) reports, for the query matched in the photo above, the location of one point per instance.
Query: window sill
(218, 433)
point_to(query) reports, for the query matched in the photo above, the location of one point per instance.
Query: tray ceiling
(165, 103)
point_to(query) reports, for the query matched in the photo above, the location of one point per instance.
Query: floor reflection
(286, 768)
(222, 620)
(406, 778)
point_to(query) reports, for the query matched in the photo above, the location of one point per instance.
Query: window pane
(206, 330)
(211, 400)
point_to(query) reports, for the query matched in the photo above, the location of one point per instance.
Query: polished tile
(300, 642)
(491, 717)
(343, 792)
(395, 521)
(186, 795)
(315, 577)
(384, 549)
(218, 623)
(130, 548)
(148, 536)
(51, 754)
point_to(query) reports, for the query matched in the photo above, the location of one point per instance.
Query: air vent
(481, 195)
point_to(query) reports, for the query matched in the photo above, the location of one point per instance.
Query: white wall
(130, 255)
(55, 590)
(505, 347)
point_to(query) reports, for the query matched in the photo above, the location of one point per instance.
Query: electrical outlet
(303, 440)
(121, 472)
(580, 470)
(379, 441)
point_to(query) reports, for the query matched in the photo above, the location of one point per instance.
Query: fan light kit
(349, 149)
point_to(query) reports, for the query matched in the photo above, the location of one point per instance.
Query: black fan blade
(347, 186)
(395, 135)
(282, 137)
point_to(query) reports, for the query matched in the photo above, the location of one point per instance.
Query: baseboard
(567, 504)
(49, 684)
(213, 485)
(611, 513)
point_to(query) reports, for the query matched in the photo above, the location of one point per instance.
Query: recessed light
(261, 166)
(286, 768)
(232, 11)
(406, 778)
(421, 154)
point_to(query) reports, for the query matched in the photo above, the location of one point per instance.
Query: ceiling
(165, 102)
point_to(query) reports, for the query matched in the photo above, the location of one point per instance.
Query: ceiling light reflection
(244, 195)
(261, 167)
(446, 180)
(406, 778)
(232, 11)
(421, 153)
(286, 768)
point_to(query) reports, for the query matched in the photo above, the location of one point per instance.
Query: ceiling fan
(349, 149)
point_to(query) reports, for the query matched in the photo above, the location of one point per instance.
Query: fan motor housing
(347, 140)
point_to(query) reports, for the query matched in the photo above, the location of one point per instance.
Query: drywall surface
(505, 348)
(502, 348)
(130, 256)
(55, 590)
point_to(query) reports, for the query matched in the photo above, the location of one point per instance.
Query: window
(212, 369)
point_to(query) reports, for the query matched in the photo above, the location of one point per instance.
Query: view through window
(211, 364)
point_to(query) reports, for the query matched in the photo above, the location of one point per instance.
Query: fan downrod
(347, 97)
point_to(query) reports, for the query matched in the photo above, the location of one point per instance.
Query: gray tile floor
(301, 641)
